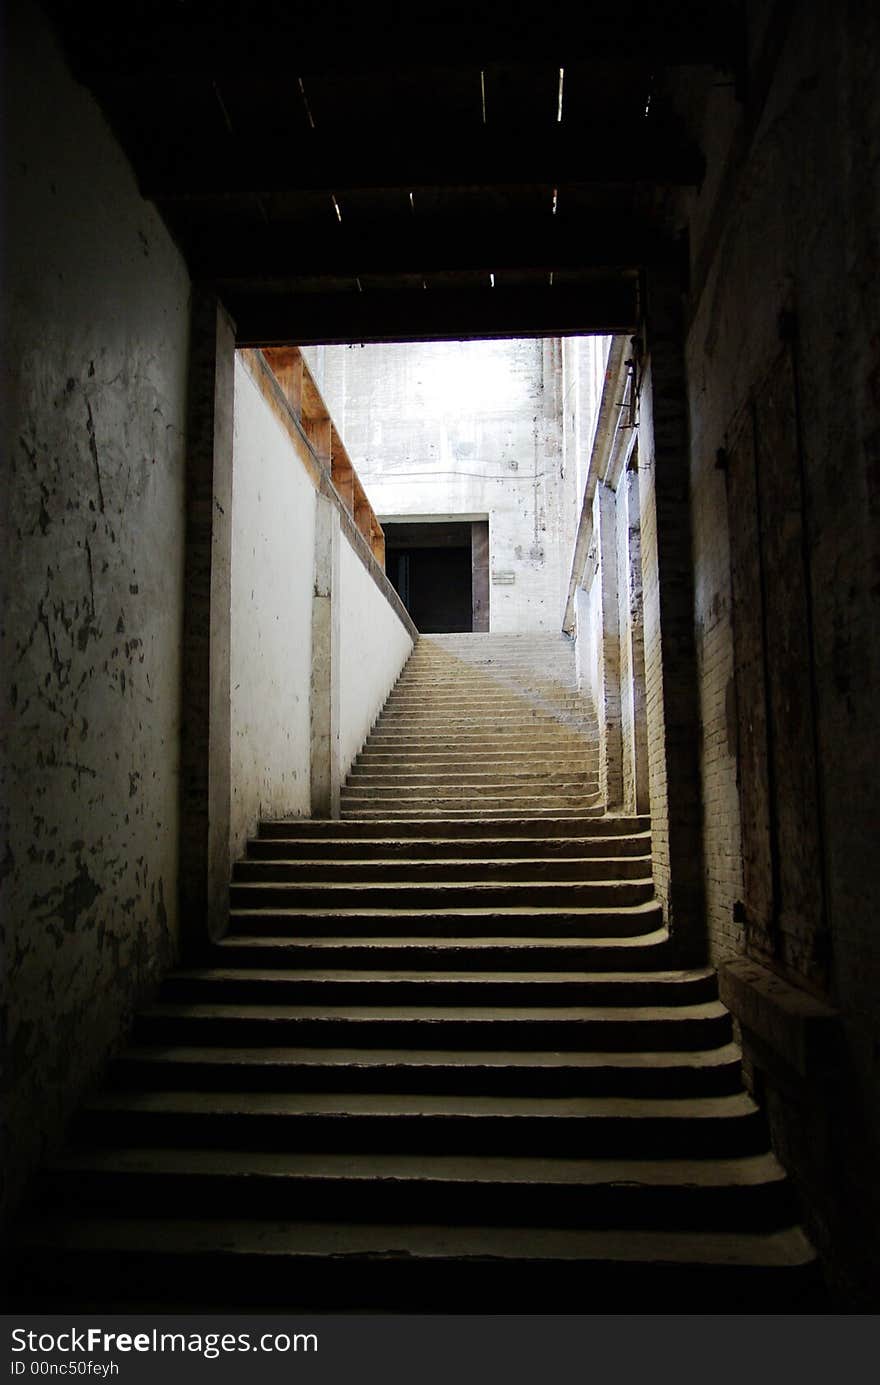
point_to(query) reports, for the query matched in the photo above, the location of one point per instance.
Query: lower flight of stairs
(438, 1065)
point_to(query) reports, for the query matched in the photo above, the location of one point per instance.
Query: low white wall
(374, 645)
(273, 538)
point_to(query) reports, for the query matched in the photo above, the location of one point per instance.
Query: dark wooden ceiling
(393, 171)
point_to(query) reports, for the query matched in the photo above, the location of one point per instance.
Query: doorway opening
(440, 570)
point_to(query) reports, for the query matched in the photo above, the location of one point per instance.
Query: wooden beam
(605, 306)
(341, 36)
(286, 364)
(180, 168)
(377, 542)
(413, 245)
(317, 430)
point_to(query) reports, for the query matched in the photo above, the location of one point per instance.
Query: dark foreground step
(474, 814)
(623, 921)
(246, 986)
(360, 848)
(337, 1267)
(749, 1193)
(579, 1028)
(688, 1073)
(426, 1123)
(436, 871)
(290, 893)
(649, 951)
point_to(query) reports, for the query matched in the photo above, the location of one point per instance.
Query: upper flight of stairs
(443, 1061)
(480, 726)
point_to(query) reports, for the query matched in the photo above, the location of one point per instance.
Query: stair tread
(438, 862)
(774, 1249)
(649, 1059)
(388, 844)
(404, 1104)
(747, 1170)
(585, 911)
(477, 1014)
(442, 942)
(465, 978)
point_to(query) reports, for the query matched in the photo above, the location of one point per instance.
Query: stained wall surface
(467, 430)
(96, 320)
(785, 317)
(273, 540)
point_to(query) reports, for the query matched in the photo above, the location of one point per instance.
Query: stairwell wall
(374, 644)
(784, 260)
(315, 646)
(273, 545)
(96, 315)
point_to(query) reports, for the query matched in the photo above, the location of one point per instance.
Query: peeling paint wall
(96, 318)
(467, 429)
(273, 545)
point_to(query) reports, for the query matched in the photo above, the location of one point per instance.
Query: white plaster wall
(273, 538)
(96, 322)
(373, 647)
(467, 429)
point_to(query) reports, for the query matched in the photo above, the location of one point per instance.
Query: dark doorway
(431, 565)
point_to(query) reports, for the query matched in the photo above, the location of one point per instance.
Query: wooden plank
(313, 405)
(605, 306)
(424, 245)
(363, 510)
(286, 363)
(377, 542)
(338, 36)
(317, 431)
(172, 168)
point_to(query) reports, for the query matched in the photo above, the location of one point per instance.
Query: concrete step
(560, 744)
(418, 1025)
(454, 894)
(620, 921)
(649, 951)
(442, 760)
(484, 720)
(476, 851)
(586, 1127)
(503, 778)
(473, 814)
(90, 1261)
(438, 870)
(486, 829)
(358, 986)
(452, 691)
(567, 791)
(749, 1192)
(677, 1073)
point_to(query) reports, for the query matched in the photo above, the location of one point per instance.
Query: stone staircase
(442, 1062)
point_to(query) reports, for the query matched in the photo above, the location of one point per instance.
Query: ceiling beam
(412, 245)
(557, 155)
(265, 319)
(158, 40)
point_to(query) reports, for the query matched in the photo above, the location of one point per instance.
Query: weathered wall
(373, 647)
(273, 538)
(96, 319)
(467, 429)
(785, 231)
